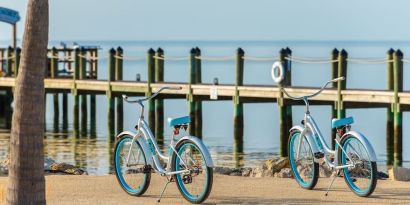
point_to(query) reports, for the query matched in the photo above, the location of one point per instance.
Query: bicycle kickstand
(331, 183)
(169, 180)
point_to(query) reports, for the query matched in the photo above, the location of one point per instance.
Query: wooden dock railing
(79, 77)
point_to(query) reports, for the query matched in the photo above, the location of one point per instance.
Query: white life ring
(278, 73)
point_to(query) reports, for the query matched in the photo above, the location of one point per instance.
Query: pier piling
(76, 75)
(83, 76)
(159, 102)
(238, 106)
(398, 115)
(110, 97)
(192, 80)
(341, 85)
(54, 74)
(150, 80)
(198, 102)
(118, 77)
(335, 64)
(390, 113)
(285, 109)
(93, 75)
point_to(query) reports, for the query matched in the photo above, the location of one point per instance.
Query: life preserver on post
(278, 73)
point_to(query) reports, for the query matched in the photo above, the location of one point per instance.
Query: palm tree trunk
(26, 173)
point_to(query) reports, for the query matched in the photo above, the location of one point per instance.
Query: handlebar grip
(338, 79)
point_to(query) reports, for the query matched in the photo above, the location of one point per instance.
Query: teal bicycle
(353, 154)
(188, 162)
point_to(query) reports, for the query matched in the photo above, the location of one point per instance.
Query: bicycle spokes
(191, 159)
(359, 174)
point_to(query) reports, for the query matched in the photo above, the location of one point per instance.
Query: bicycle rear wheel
(361, 175)
(195, 185)
(301, 159)
(134, 176)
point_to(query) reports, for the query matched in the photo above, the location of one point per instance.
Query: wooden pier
(80, 80)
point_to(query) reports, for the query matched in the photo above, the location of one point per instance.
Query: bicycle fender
(142, 142)
(308, 136)
(198, 142)
(365, 142)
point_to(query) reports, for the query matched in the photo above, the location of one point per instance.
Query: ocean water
(93, 151)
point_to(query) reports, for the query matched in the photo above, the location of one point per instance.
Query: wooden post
(76, 75)
(118, 77)
(54, 74)
(14, 35)
(151, 79)
(67, 54)
(390, 113)
(17, 53)
(111, 100)
(9, 93)
(288, 107)
(285, 111)
(198, 103)
(192, 80)
(65, 112)
(335, 64)
(238, 107)
(397, 121)
(159, 103)
(83, 76)
(341, 85)
(93, 108)
(10, 61)
(2, 62)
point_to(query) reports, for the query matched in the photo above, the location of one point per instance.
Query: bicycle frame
(149, 146)
(314, 137)
(316, 140)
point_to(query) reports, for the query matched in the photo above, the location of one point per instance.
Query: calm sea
(261, 141)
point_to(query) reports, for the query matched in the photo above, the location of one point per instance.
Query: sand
(100, 190)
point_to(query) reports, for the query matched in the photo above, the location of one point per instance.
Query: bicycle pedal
(319, 155)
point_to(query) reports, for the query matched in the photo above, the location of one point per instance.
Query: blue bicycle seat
(179, 121)
(341, 122)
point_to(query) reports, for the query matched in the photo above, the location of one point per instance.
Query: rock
(399, 174)
(48, 162)
(223, 170)
(236, 172)
(284, 173)
(66, 168)
(50, 165)
(256, 172)
(4, 167)
(270, 167)
(246, 172)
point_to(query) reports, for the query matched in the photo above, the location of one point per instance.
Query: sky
(268, 20)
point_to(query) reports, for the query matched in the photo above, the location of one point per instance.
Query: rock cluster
(279, 167)
(275, 167)
(50, 166)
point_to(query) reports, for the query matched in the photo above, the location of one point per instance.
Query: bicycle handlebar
(125, 97)
(314, 94)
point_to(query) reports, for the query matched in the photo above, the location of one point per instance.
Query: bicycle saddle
(179, 121)
(336, 123)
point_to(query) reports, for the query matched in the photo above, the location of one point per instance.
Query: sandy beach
(63, 189)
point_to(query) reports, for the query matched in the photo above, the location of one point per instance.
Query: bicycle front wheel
(305, 169)
(360, 172)
(196, 183)
(131, 168)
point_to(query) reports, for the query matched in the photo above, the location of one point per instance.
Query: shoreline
(86, 189)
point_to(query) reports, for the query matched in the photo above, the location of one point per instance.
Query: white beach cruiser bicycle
(188, 162)
(353, 153)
